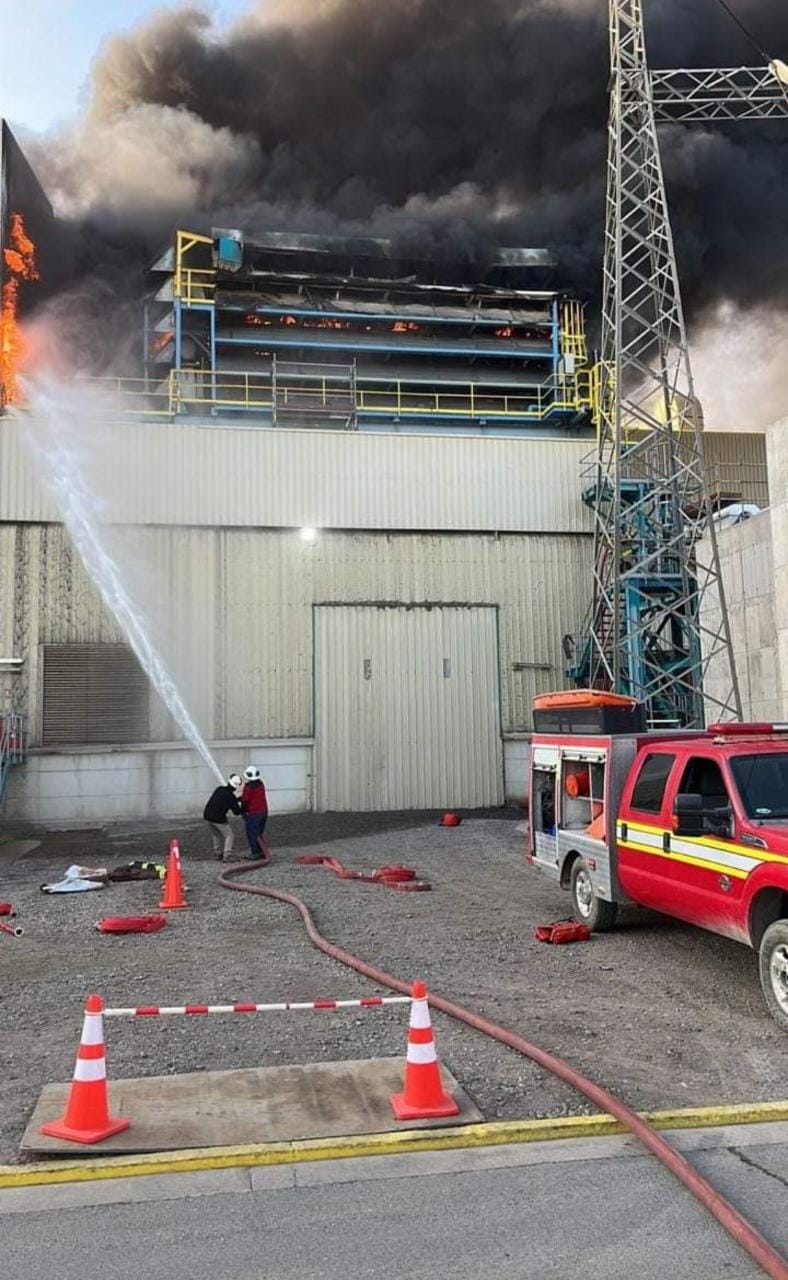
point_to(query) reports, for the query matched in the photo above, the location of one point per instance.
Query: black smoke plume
(442, 123)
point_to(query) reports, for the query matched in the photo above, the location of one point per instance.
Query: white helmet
(234, 779)
(251, 773)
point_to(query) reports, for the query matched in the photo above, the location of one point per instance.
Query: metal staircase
(12, 746)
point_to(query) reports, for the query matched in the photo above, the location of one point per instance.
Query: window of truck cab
(761, 779)
(648, 792)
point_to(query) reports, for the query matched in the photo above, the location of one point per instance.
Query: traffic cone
(87, 1117)
(424, 1095)
(173, 899)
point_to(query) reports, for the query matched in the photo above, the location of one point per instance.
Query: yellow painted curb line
(400, 1142)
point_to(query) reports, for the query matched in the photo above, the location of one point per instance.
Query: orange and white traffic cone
(424, 1095)
(173, 899)
(87, 1117)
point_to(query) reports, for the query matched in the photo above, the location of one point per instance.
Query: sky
(47, 47)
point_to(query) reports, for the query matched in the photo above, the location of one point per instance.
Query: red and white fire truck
(690, 823)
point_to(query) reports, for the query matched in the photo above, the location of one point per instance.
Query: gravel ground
(662, 1014)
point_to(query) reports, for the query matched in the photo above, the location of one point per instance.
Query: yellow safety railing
(573, 331)
(198, 285)
(135, 396)
(193, 285)
(311, 393)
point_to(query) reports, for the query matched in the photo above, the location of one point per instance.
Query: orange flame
(19, 260)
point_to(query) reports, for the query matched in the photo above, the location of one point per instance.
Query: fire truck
(693, 824)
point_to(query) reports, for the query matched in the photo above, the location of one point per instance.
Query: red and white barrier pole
(287, 1006)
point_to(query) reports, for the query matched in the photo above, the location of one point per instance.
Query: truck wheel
(597, 913)
(773, 964)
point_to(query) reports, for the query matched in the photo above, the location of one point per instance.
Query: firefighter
(254, 807)
(224, 800)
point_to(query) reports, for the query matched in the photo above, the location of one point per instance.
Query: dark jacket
(222, 802)
(254, 798)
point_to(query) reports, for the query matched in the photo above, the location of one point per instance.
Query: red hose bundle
(131, 924)
(396, 877)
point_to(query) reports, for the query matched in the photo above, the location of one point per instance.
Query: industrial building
(352, 484)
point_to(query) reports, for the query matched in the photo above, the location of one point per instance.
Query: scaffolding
(227, 335)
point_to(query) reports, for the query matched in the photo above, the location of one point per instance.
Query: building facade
(387, 662)
(345, 496)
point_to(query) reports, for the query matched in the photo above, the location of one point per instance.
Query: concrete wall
(516, 762)
(754, 563)
(777, 454)
(91, 787)
(749, 583)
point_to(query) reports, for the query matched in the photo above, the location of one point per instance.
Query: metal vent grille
(93, 693)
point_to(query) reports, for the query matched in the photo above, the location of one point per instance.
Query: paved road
(545, 1211)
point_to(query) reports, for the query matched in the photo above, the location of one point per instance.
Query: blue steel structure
(306, 330)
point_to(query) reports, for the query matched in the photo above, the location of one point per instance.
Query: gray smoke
(445, 123)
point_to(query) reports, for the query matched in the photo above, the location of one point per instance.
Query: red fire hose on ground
(729, 1217)
(398, 877)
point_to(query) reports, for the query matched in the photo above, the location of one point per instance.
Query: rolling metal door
(93, 693)
(407, 709)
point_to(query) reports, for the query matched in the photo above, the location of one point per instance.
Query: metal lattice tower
(658, 617)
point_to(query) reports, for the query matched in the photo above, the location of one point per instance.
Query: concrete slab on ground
(13, 850)
(262, 1104)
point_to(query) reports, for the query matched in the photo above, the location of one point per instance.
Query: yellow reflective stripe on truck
(725, 858)
(687, 858)
(711, 842)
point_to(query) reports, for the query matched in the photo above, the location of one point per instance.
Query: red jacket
(254, 799)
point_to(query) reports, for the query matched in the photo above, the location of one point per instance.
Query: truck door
(544, 818)
(643, 831)
(710, 870)
(697, 879)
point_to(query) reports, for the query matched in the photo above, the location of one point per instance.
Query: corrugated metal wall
(737, 464)
(229, 476)
(407, 708)
(226, 476)
(233, 609)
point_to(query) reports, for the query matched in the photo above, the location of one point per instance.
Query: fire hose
(759, 1249)
(13, 930)
(398, 877)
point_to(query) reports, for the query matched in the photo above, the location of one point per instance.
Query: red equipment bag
(131, 924)
(562, 931)
(6, 909)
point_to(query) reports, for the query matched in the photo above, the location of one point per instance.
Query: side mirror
(720, 821)
(688, 809)
(694, 819)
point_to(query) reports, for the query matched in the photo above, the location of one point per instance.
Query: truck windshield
(762, 782)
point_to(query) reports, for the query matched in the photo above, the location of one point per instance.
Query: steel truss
(658, 619)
